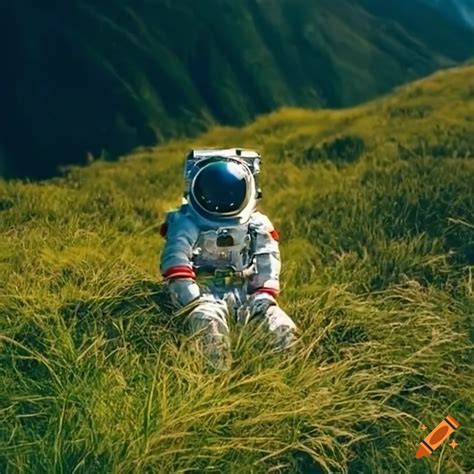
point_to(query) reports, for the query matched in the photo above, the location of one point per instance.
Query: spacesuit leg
(281, 327)
(264, 310)
(208, 322)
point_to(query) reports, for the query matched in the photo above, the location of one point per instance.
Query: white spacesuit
(221, 258)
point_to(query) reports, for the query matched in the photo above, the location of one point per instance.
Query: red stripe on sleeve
(270, 291)
(180, 271)
(275, 235)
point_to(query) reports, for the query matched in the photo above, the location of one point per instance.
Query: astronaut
(221, 258)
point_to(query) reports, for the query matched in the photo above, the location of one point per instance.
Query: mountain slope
(374, 206)
(85, 78)
(460, 10)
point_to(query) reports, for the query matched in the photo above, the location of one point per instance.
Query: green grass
(378, 251)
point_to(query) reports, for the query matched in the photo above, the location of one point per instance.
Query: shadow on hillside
(135, 319)
(306, 465)
(138, 317)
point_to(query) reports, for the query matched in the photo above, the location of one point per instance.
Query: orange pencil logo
(437, 436)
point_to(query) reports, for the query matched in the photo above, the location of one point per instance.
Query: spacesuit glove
(183, 292)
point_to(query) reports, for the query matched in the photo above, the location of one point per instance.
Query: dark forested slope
(460, 10)
(81, 78)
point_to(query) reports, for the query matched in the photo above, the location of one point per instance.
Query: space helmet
(222, 187)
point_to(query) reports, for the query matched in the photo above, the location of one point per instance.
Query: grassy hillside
(85, 78)
(374, 205)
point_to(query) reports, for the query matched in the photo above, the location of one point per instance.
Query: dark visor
(221, 188)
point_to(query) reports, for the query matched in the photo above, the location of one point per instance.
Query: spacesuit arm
(266, 257)
(175, 263)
